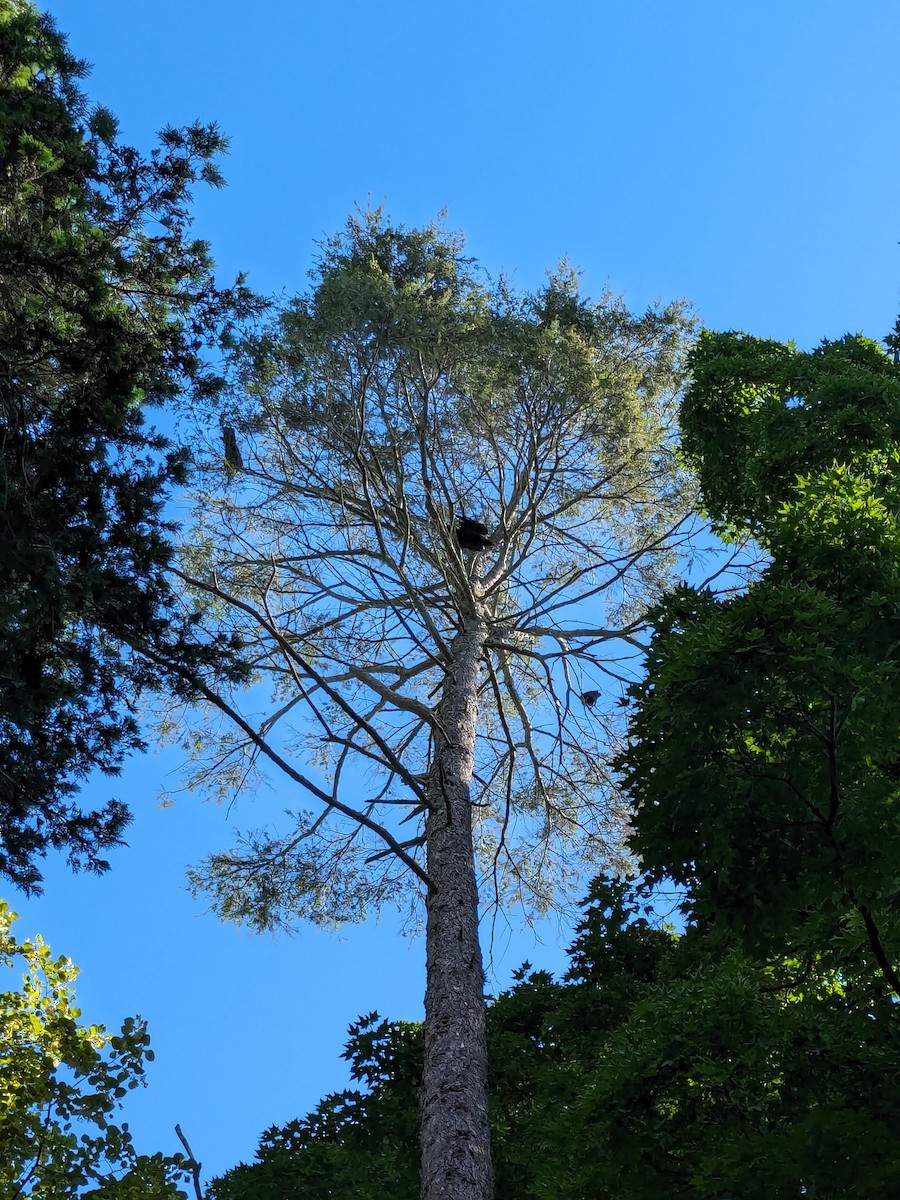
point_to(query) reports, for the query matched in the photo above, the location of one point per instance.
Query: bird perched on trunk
(472, 535)
(232, 453)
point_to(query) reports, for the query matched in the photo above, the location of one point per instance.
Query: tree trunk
(456, 1150)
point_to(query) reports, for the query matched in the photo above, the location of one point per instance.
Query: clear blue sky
(742, 155)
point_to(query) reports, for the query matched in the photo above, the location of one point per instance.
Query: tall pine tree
(452, 505)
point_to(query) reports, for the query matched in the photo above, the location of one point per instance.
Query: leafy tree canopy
(105, 305)
(60, 1083)
(659, 1065)
(764, 743)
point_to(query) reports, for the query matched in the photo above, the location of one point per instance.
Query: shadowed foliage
(105, 306)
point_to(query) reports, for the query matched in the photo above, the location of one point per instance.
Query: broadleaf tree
(445, 707)
(106, 303)
(61, 1084)
(763, 754)
(659, 1065)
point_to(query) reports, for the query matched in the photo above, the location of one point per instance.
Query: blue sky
(741, 155)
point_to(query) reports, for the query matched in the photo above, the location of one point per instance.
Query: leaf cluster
(61, 1083)
(764, 739)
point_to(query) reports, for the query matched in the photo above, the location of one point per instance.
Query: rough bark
(456, 1159)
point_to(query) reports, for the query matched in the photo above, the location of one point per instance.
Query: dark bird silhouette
(472, 535)
(232, 453)
(590, 698)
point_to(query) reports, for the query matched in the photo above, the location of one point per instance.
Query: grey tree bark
(456, 1162)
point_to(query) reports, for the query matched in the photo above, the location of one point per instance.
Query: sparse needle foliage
(429, 697)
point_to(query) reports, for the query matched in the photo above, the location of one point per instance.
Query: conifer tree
(452, 504)
(105, 305)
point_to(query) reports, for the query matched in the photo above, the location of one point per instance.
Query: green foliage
(402, 338)
(661, 1065)
(764, 743)
(756, 1055)
(60, 1083)
(759, 414)
(364, 1142)
(401, 390)
(105, 306)
(718, 1082)
(356, 1142)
